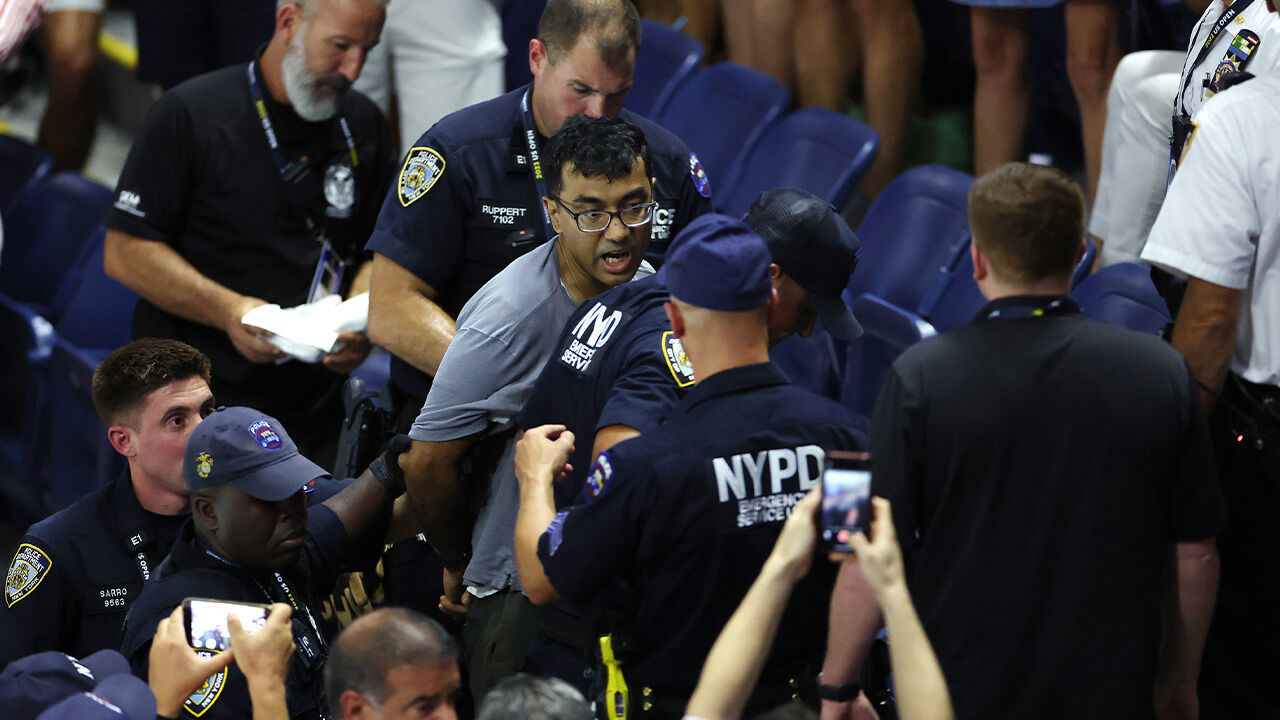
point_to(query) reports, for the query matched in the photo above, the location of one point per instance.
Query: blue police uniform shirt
(192, 570)
(465, 204)
(75, 573)
(616, 363)
(689, 511)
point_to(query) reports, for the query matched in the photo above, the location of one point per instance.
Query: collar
(129, 520)
(733, 381)
(1025, 306)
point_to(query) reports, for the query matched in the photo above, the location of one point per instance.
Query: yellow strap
(617, 697)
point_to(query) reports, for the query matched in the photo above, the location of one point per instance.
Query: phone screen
(846, 501)
(206, 621)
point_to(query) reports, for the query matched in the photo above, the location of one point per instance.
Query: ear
(288, 20)
(354, 705)
(537, 56)
(980, 267)
(121, 438)
(775, 272)
(553, 211)
(676, 318)
(204, 511)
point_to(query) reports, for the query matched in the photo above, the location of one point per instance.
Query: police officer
(467, 199)
(76, 573)
(1220, 227)
(690, 510)
(257, 184)
(252, 539)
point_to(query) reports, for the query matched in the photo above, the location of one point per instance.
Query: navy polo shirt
(465, 204)
(616, 363)
(689, 511)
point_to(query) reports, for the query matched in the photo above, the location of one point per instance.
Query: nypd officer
(252, 538)
(467, 199)
(689, 511)
(76, 573)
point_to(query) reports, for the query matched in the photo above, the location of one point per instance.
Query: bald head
(612, 26)
(375, 644)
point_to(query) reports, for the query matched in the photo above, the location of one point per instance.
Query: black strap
(1236, 8)
(1029, 307)
(531, 140)
(139, 541)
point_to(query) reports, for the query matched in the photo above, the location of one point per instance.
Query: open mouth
(617, 261)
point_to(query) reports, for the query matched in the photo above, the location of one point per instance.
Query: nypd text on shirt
(761, 487)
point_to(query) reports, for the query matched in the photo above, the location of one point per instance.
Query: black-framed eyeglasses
(593, 221)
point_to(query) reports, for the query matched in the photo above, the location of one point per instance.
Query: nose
(352, 64)
(294, 506)
(616, 232)
(594, 106)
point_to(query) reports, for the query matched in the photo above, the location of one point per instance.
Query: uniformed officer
(76, 573)
(258, 184)
(1220, 227)
(690, 510)
(251, 538)
(467, 199)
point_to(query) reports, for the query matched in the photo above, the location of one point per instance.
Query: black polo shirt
(465, 204)
(689, 511)
(1038, 465)
(200, 177)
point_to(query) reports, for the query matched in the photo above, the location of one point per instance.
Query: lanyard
(138, 541)
(298, 607)
(1031, 308)
(531, 139)
(1237, 7)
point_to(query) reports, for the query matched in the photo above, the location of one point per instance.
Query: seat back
(91, 310)
(810, 362)
(887, 331)
(813, 149)
(23, 164)
(76, 457)
(666, 58)
(1085, 266)
(918, 226)
(721, 113)
(43, 234)
(1123, 294)
(957, 297)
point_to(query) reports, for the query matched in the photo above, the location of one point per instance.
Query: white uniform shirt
(1264, 58)
(1221, 218)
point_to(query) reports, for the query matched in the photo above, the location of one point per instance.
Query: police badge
(677, 361)
(30, 565)
(339, 190)
(201, 700)
(422, 168)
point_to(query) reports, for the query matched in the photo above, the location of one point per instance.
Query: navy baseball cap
(719, 264)
(248, 450)
(29, 685)
(120, 697)
(810, 242)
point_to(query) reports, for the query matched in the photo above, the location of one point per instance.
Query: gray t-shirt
(506, 332)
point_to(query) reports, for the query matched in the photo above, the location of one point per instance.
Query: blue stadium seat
(917, 226)
(810, 362)
(375, 371)
(1122, 294)
(887, 331)
(721, 113)
(24, 354)
(667, 57)
(43, 234)
(75, 457)
(23, 163)
(91, 310)
(955, 298)
(1085, 266)
(813, 149)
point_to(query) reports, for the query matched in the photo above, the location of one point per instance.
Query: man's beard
(313, 98)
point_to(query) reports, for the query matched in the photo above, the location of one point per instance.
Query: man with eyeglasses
(459, 471)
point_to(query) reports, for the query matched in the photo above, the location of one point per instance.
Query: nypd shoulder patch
(599, 479)
(29, 567)
(677, 361)
(422, 168)
(204, 698)
(700, 179)
(555, 532)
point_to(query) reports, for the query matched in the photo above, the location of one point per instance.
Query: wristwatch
(838, 693)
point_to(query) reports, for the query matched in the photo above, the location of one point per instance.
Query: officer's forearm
(1189, 594)
(854, 622)
(359, 505)
(1205, 333)
(431, 479)
(163, 277)
(404, 318)
(537, 510)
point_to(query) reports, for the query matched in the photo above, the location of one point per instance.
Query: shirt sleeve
(588, 545)
(155, 188)
(1209, 223)
(1197, 508)
(692, 203)
(327, 547)
(422, 223)
(472, 389)
(895, 471)
(35, 611)
(644, 390)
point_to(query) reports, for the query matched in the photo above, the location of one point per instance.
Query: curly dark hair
(595, 147)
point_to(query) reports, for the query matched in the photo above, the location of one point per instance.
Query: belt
(792, 684)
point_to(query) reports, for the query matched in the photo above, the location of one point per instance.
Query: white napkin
(308, 332)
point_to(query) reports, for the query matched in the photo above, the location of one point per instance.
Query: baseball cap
(119, 697)
(809, 240)
(718, 264)
(33, 683)
(248, 450)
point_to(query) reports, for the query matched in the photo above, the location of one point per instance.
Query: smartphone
(846, 498)
(206, 621)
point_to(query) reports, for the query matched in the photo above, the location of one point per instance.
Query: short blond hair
(1028, 220)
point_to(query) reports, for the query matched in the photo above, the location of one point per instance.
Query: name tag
(497, 215)
(111, 598)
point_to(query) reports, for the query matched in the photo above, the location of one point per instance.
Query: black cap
(815, 246)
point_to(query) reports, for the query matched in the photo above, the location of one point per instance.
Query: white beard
(312, 101)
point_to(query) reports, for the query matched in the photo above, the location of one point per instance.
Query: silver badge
(339, 190)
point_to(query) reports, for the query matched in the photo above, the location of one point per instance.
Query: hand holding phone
(846, 498)
(205, 621)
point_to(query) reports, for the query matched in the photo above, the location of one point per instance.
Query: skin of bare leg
(893, 53)
(1093, 51)
(826, 53)
(1001, 97)
(67, 127)
(739, 21)
(773, 39)
(703, 19)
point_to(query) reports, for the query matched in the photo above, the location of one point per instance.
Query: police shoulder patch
(204, 698)
(555, 532)
(677, 361)
(30, 565)
(700, 179)
(422, 168)
(599, 479)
